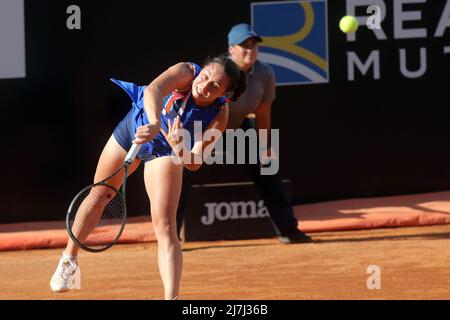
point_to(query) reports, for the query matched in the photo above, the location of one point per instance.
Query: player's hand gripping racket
(96, 217)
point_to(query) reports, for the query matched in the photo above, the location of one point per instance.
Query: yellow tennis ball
(348, 24)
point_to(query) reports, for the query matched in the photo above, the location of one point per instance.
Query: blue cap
(241, 32)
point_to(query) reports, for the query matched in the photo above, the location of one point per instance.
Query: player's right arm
(177, 77)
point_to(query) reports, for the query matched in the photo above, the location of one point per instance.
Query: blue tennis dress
(175, 104)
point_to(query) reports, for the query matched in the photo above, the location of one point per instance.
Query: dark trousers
(269, 186)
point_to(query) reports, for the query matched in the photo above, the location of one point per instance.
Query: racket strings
(96, 216)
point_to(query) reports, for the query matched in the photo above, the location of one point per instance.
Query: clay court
(363, 149)
(407, 237)
(414, 264)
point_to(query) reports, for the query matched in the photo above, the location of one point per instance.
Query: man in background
(253, 110)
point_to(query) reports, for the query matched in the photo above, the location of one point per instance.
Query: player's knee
(164, 227)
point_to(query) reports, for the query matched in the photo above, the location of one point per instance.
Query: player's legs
(68, 275)
(110, 160)
(163, 180)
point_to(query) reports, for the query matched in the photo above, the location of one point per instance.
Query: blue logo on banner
(295, 39)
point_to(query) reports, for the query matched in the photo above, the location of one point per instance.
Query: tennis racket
(96, 217)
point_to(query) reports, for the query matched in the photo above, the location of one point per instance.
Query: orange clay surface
(414, 263)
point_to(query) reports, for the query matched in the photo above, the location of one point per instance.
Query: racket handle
(132, 153)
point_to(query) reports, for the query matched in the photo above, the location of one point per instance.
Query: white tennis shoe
(67, 275)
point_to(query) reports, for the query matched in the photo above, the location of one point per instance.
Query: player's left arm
(202, 148)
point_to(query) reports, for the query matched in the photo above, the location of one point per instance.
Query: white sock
(71, 258)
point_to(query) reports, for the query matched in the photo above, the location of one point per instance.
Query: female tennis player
(182, 94)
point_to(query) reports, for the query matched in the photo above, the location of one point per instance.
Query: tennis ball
(348, 24)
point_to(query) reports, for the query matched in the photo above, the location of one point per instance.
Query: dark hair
(238, 77)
